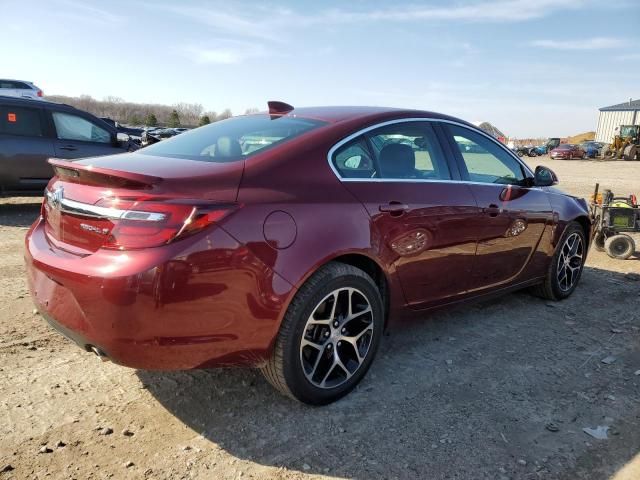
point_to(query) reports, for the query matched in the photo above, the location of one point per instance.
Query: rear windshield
(232, 139)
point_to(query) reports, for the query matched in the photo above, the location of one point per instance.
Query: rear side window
(14, 85)
(73, 127)
(353, 160)
(232, 139)
(408, 150)
(20, 121)
(400, 151)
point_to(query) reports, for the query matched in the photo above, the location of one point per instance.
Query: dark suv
(33, 131)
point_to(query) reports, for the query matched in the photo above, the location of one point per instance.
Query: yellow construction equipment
(625, 144)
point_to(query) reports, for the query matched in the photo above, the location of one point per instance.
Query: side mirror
(544, 177)
(123, 137)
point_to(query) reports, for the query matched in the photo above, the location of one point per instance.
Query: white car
(20, 88)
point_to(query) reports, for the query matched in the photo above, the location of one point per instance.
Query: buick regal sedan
(290, 240)
(567, 151)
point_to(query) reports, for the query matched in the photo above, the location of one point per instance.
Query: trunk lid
(149, 200)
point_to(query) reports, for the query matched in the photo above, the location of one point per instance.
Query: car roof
(15, 80)
(60, 107)
(39, 103)
(338, 114)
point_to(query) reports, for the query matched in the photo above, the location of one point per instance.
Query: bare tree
(126, 112)
(190, 113)
(213, 116)
(225, 114)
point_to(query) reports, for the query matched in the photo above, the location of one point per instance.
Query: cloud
(224, 51)
(270, 28)
(225, 22)
(627, 57)
(595, 43)
(81, 12)
(272, 23)
(478, 11)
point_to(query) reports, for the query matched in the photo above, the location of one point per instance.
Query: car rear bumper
(186, 305)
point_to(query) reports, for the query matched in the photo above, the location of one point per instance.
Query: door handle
(69, 148)
(394, 208)
(493, 210)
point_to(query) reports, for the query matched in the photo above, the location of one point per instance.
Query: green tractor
(625, 145)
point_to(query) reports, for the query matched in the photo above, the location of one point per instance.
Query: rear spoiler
(89, 175)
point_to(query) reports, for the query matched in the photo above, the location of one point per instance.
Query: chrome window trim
(347, 139)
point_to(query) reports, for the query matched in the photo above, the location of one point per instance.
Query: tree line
(150, 114)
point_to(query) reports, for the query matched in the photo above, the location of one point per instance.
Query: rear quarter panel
(329, 220)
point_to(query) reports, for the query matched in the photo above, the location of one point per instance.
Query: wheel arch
(365, 263)
(585, 223)
(374, 270)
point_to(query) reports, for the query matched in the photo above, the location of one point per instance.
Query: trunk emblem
(54, 198)
(91, 228)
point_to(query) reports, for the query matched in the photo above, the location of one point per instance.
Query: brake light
(144, 224)
(39, 93)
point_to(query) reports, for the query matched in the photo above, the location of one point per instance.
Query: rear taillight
(143, 224)
(39, 93)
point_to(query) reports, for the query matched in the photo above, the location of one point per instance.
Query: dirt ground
(496, 390)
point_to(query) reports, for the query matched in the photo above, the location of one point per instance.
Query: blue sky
(531, 67)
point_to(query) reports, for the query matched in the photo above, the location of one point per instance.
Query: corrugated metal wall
(608, 121)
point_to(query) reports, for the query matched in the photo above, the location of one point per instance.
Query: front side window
(72, 127)
(485, 161)
(232, 139)
(20, 121)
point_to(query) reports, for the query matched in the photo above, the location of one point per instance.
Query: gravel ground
(496, 390)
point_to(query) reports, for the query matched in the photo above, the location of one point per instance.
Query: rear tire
(565, 268)
(620, 246)
(328, 337)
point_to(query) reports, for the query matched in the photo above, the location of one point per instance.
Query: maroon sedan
(290, 240)
(567, 151)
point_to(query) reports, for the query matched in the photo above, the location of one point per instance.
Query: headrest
(227, 147)
(397, 160)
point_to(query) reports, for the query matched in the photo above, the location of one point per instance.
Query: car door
(79, 137)
(422, 222)
(514, 215)
(25, 148)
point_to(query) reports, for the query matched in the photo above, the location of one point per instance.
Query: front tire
(328, 337)
(565, 268)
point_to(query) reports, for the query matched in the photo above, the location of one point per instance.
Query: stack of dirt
(582, 137)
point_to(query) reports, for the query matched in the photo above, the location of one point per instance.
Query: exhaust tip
(99, 353)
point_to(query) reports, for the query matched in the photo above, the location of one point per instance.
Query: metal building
(627, 113)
